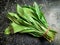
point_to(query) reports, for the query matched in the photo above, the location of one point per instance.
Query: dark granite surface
(52, 11)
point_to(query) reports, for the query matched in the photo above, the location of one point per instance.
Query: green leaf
(7, 31)
(20, 10)
(13, 14)
(36, 7)
(16, 28)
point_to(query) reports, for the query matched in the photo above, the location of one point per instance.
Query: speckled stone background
(51, 8)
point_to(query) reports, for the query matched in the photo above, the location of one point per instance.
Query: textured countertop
(51, 9)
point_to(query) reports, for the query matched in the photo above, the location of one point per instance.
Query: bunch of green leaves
(31, 20)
